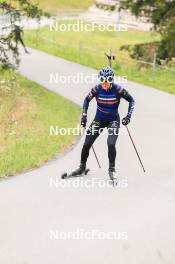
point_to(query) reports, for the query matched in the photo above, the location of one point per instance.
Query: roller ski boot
(77, 173)
(112, 175)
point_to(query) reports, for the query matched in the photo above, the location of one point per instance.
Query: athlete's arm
(88, 98)
(124, 94)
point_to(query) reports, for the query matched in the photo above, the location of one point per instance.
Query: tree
(14, 11)
(161, 13)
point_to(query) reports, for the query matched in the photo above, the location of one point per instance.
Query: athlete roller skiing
(108, 95)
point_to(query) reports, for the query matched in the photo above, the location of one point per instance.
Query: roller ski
(81, 171)
(112, 176)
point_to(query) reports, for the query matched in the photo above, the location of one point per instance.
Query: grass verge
(27, 112)
(88, 48)
(56, 6)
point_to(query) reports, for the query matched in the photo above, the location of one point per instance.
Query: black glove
(126, 120)
(84, 120)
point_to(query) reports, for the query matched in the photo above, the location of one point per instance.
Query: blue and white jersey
(108, 101)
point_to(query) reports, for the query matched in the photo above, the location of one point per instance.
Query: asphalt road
(140, 212)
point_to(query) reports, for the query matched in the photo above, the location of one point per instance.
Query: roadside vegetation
(27, 111)
(57, 6)
(88, 48)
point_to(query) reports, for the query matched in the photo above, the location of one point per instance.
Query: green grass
(27, 112)
(56, 6)
(88, 48)
(59, 7)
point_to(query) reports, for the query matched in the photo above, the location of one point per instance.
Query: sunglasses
(108, 79)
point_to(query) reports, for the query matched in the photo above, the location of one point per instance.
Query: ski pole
(135, 149)
(96, 157)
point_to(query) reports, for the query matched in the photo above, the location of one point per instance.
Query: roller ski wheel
(74, 174)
